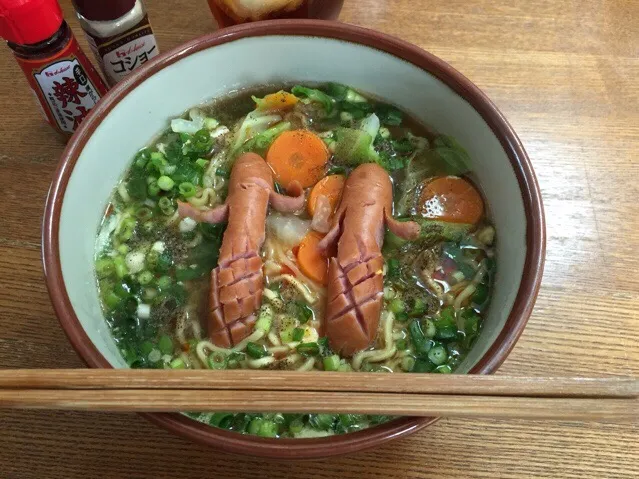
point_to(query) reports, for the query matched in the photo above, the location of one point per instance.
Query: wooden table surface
(566, 76)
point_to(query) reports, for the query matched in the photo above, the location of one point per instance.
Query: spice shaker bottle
(119, 34)
(59, 73)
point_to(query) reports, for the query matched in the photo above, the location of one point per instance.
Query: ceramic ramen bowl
(286, 52)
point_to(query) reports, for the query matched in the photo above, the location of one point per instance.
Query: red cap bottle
(59, 73)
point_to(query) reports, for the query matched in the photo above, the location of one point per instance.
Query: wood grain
(617, 410)
(426, 395)
(248, 380)
(565, 75)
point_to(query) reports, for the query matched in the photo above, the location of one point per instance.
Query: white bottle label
(121, 54)
(123, 60)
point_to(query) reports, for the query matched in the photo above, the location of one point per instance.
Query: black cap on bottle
(103, 10)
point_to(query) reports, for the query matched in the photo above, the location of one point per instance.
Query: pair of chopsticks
(597, 399)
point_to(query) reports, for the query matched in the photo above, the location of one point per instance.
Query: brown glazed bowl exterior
(339, 444)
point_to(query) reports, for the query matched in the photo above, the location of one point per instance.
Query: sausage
(355, 281)
(237, 281)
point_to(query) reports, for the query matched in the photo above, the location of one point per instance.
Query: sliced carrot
(330, 186)
(276, 101)
(451, 199)
(313, 263)
(298, 155)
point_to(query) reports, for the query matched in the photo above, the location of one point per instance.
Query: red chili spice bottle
(59, 73)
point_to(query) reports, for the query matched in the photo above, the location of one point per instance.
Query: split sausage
(355, 281)
(237, 281)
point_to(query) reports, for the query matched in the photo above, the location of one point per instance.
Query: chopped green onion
(393, 268)
(337, 91)
(166, 205)
(444, 369)
(201, 141)
(146, 347)
(187, 189)
(211, 123)
(331, 363)
(353, 97)
(256, 351)
(145, 277)
(144, 213)
(127, 228)
(323, 422)
(296, 426)
(149, 294)
(166, 183)
(153, 189)
(408, 363)
(120, 266)
(305, 313)
(165, 344)
(323, 345)
(104, 267)
(219, 417)
(384, 133)
(164, 282)
(471, 322)
(314, 96)
(422, 366)
(308, 349)
(268, 429)
(217, 361)
(421, 344)
(446, 324)
(142, 157)
(418, 308)
(446, 332)
(233, 360)
(265, 318)
(158, 161)
(177, 363)
(112, 300)
(438, 355)
(396, 306)
(480, 295)
(255, 426)
(156, 155)
(389, 115)
(297, 334)
(202, 163)
(346, 116)
(152, 258)
(429, 329)
(123, 249)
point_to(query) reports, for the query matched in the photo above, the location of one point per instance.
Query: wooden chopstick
(610, 399)
(252, 380)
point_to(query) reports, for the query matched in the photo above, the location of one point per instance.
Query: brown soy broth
(182, 317)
